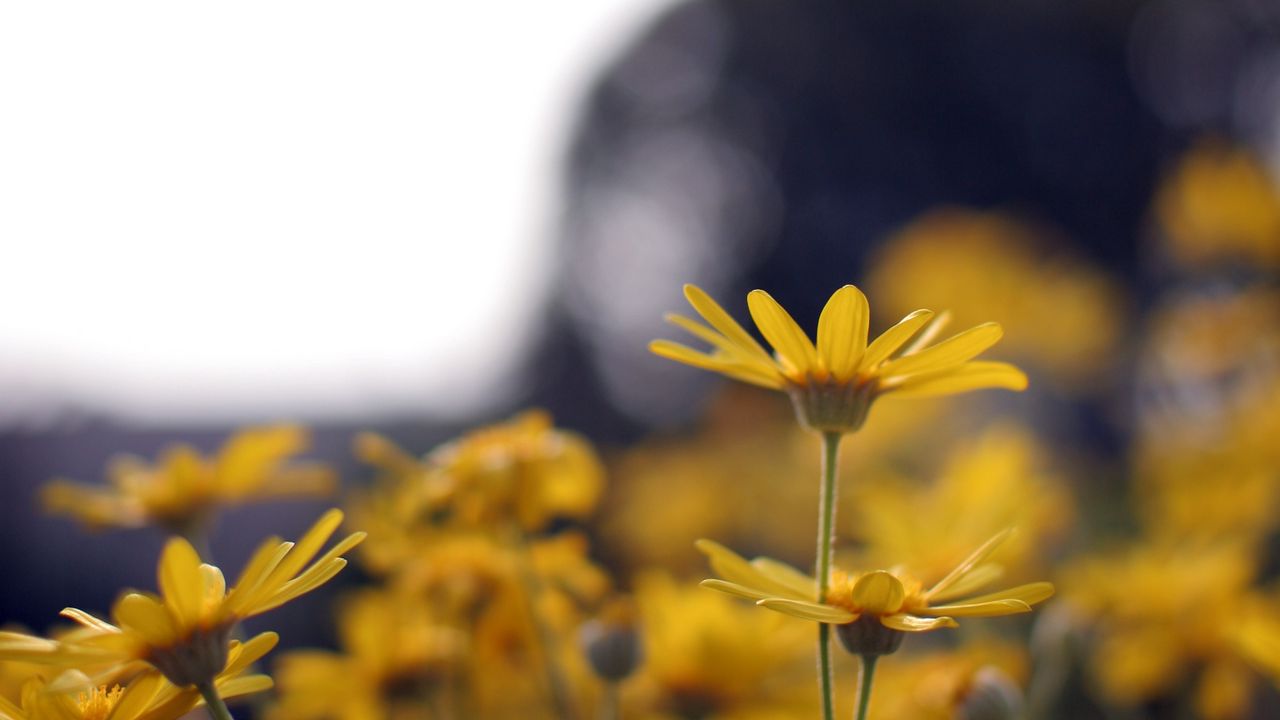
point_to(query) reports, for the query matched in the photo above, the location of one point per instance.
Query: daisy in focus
(148, 696)
(185, 631)
(183, 488)
(863, 607)
(834, 382)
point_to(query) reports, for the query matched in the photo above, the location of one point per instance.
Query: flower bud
(868, 636)
(611, 642)
(991, 695)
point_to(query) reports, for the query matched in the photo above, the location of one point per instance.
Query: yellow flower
(994, 480)
(1220, 204)
(1170, 617)
(1062, 314)
(394, 651)
(148, 696)
(863, 606)
(834, 383)
(935, 685)
(706, 656)
(184, 632)
(525, 469)
(184, 487)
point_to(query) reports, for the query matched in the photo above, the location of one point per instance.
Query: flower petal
(791, 343)
(755, 373)
(911, 623)
(800, 584)
(147, 617)
(975, 579)
(715, 315)
(809, 610)
(977, 375)
(731, 588)
(893, 338)
(842, 332)
(878, 593)
(976, 558)
(1031, 593)
(734, 568)
(181, 584)
(992, 608)
(948, 353)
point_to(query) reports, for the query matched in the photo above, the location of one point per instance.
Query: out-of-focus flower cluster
(518, 571)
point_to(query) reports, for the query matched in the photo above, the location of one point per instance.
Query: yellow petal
(181, 584)
(842, 332)
(137, 696)
(893, 338)
(245, 654)
(977, 557)
(246, 685)
(88, 620)
(756, 373)
(926, 336)
(147, 617)
(977, 578)
(249, 457)
(911, 623)
(878, 593)
(722, 321)
(1031, 593)
(704, 333)
(993, 608)
(252, 580)
(970, 376)
(800, 584)
(786, 337)
(809, 610)
(305, 549)
(735, 589)
(734, 568)
(948, 353)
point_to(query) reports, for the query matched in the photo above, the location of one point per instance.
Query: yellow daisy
(149, 696)
(863, 607)
(184, 632)
(181, 489)
(834, 382)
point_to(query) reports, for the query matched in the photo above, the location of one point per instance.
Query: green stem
(545, 640)
(213, 701)
(826, 540)
(611, 704)
(864, 694)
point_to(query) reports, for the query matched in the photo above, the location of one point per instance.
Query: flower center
(97, 703)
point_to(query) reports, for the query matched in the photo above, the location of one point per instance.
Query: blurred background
(417, 218)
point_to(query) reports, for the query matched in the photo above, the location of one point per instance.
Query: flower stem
(213, 701)
(611, 703)
(826, 539)
(864, 694)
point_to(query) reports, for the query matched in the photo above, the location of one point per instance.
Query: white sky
(260, 209)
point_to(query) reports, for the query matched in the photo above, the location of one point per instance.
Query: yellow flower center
(877, 593)
(96, 704)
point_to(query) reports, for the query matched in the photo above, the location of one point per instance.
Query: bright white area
(245, 210)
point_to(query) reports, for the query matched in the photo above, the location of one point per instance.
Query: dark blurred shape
(760, 144)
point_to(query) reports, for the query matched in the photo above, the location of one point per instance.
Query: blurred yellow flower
(936, 685)
(1062, 314)
(147, 696)
(185, 631)
(706, 656)
(889, 599)
(1175, 618)
(834, 383)
(183, 488)
(1220, 203)
(525, 469)
(396, 656)
(993, 481)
